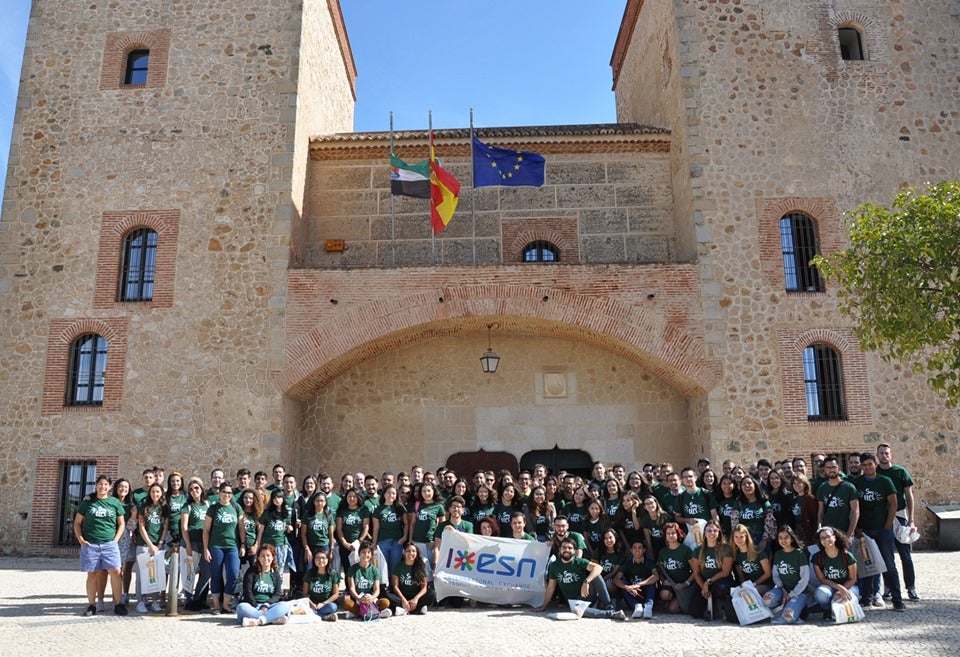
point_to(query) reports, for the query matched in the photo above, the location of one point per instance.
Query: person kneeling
(262, 592)
(638, 580)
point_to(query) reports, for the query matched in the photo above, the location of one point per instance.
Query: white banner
(502, 571)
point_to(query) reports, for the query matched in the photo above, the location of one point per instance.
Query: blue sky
(528, 62)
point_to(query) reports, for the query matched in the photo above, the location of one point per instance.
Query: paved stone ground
(41, 601)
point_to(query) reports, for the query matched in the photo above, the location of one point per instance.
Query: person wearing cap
(878, 510)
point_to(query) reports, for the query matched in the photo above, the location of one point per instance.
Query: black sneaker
(90, 611)
(899, 606)
(912, 594)
(120, 610)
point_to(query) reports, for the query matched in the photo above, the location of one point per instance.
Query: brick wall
(62, 333)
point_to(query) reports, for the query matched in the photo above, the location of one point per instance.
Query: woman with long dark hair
(712, 567)
(273, 525)
(409, 593)
(728, 503)
(791, 578)
(483, 504)
(151, 536)
(628, 519)
(192, 518)
(389, 526)
(427, 518)
(653, 520)
(540, 514)
(127, 545)
(756, 513)
(263, 592)
(353, 525)
(836, 570)
(509, 502)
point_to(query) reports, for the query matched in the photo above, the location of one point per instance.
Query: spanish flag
(444, 193)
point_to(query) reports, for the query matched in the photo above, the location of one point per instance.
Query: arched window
(851, 43)
(541, 251)
(798, 239)
(88, 364)
(139, 265)
(823, 382)
(135, 71)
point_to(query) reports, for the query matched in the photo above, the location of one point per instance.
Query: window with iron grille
(823, 382)
(135, 72)
(541, 251)
(77, 480)
(798, 239)
(88, 364)
(139, 265)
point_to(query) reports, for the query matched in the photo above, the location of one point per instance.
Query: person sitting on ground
(364, 598)
(579, 579)
(262, 592)
(637, 579)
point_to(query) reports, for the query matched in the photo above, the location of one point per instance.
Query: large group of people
(620, 541)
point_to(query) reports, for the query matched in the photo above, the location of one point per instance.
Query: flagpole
(393, 212)
(473, 192)
(433, 234)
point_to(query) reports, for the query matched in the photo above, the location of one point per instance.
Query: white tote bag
(152, 572)
(694, 536)
(748, 603)
(848, 611)
(869, 559)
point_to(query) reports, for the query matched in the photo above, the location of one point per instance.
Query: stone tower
(787, 108)
(157, 169)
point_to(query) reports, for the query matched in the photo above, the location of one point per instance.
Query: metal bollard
(173, 583)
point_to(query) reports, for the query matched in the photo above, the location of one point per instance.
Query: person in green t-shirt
(151, 534)
(839, 505)
(321, 585)
(878, 509)
(317, 529)
(749, 563)
(835, 568)
(98, 525)
(675, 562)
(409, 593)
(364, 597)
(353, 524)
(176, 499)
(263, 591)
(425, 520)
(712, 568)
(579, 579)
(223, 533)
(389, 526)
(638, 578)
(273, 525)
(791, 577)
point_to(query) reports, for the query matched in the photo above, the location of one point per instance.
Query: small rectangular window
(77, 480)
(138, 62)
(851, 45)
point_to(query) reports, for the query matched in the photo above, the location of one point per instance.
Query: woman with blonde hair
(749, 563)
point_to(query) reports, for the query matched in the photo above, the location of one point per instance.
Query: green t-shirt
(152, 519)
(479, 512)
(223, 531)
(503, 513)
(608, 562)
(726, 506)
(363, 578)
(634, 572)
(873, 495)
(577, 515)
(569, 576)
(696, 504)
(404, 575)
(901, 481)
(712, 561)
(390, 522)
(837, 569)
(579, 542)
(333, 503)
(250, 527)
(655, 525)
(425, 525)
(176, 504)
(274, 527)
(752, 569)
(611, 507)
(465, 526)
(100, 519)
(675, 562)
(318, 530)
(263, 588)
(139, 497)
(752, 515)
(787, 565)
(196, 513)
(539, 525)
(321, 585)
(593, 531)
(836, 501)
(352, 521)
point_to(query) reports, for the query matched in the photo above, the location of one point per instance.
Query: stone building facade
(298, 313)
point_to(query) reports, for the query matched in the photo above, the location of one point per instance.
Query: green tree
(900, 281)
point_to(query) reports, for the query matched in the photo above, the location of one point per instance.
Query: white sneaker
(400, 612)
(385, 613)
(648, 610)
(100, 606)
(250, 622)
(637, 611)
(141, 607)
(156, 606)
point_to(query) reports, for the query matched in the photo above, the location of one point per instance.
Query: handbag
(152, 572)
(748, 604)
(847, 611)
(870, 560)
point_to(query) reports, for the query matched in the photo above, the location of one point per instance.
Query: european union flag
(502, 166)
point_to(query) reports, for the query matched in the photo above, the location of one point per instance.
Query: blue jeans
(392, 551)
(224, 565)
(794, 606)
(273, 612)
(285, 558)
(823, 595)
(649, 595)
(891, 578)
(326, 610)
(905, 550)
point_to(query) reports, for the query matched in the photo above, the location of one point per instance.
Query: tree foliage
(900, 281)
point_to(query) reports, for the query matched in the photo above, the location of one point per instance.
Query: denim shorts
(103, 556)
